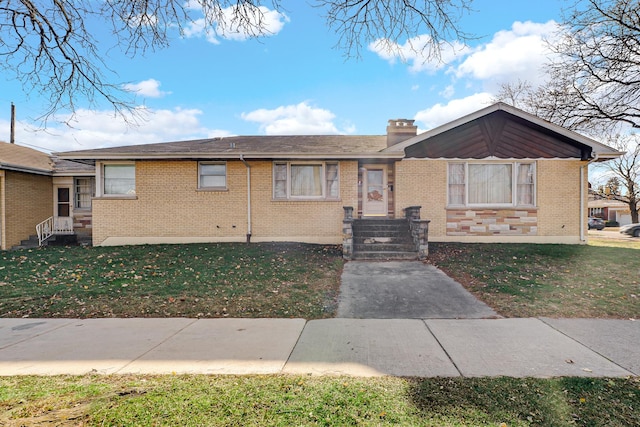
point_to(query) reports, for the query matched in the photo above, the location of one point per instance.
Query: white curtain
(213, 175)
(333, 189)
(456, 183)
(525, 184)
(119, 179)
(306, 180)
(490, 184)
(280, 181)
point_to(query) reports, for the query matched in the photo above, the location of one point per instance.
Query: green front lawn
(299, 280)
(311, 401)
(525, 280)
(199, 280)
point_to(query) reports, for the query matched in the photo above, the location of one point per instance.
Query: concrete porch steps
(55, 240)
(383, 239)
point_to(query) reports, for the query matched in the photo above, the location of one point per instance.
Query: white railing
(54, 225)
(44, 230)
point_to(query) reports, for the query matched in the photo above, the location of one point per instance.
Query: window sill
(306, 200)
(212, 190)
(493, 207)
(117, 197)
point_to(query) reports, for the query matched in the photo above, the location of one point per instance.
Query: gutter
(248, 197)
(582, 195)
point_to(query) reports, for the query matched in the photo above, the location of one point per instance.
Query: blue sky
(296, 82)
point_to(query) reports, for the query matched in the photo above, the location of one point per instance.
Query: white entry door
(374, 191)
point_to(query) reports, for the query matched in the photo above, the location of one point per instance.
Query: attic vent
(232, 145)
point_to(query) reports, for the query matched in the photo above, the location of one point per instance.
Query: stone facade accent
(492, 222)
(347, 233)
(419, 230)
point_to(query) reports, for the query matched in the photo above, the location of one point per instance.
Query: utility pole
(12, 137)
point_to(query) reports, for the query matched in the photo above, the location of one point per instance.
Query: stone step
(387, 255)
(384, 248)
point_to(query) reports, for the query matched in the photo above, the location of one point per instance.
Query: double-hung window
(118, 179)
(84, 192)
(491, 184)
(306, 180)
(212, 175)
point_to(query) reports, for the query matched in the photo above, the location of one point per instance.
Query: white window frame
(324, 174)
(216, 187)
(100, 179)
(76, 194)
(515, 167)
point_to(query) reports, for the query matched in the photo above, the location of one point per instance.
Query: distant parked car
(597, 223)
(631, 230)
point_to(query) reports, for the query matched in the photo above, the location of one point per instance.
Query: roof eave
(18, 168)
(234, 156)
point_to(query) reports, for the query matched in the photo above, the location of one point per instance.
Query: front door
(374, 194)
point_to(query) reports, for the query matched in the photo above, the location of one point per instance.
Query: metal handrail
(44, 230)
(53, 225)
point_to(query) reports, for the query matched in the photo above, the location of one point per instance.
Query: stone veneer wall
(492, 222)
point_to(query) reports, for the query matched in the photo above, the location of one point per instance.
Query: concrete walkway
(362, 347)
(405, 290)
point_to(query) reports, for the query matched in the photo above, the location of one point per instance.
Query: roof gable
(499, 134)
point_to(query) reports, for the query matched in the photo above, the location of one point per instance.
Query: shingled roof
(24, 159)
(282, 147)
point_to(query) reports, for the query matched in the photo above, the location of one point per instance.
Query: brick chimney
(400, 130)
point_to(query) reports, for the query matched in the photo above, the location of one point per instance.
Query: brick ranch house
(34, 187)
(496, 175)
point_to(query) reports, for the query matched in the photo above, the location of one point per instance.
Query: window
(491, 184)
(84, 191)
(306, 180)
(64, 205)
(118, 179)
(212, 175)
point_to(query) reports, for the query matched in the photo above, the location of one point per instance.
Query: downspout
(582, 195)
(248, 197)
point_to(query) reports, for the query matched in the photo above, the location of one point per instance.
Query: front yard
(294, 280)
(299, 280)
(212, 280)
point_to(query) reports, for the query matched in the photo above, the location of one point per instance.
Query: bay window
(491, 184)
(305, 180)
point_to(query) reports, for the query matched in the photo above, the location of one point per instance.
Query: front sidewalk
(362, 347)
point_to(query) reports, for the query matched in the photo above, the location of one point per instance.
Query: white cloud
(98, 129)
(263, 22)
(300, 119)
(149, 88)
(515, 54)
(440, 114)
(418, 52)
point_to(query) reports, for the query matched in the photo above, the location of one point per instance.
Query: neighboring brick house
(496, 175)
(35, 186)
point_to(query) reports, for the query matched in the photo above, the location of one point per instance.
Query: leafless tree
(50, 48)
(596, 73)
(622, 175)
(593, 85)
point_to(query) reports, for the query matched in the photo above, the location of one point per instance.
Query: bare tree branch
(359, 23)
(50, 49)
